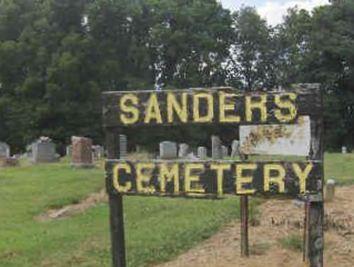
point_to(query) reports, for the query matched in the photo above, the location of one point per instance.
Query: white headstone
(235, 148)
(344, 150)
(330, 190)
(43, 151)
(183, 150)
(4, 150)
(202, 153)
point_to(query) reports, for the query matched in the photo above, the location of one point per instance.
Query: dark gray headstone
(216, 152)
(168, 150)
(123, 146)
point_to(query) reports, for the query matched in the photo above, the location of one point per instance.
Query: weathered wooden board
(207, 106)
(212, 178)
(277, 139)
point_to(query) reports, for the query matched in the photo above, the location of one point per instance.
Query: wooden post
(244, 226)
(244, 221)
(314, 242)
(116, 216)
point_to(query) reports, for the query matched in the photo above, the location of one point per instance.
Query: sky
(273, 10)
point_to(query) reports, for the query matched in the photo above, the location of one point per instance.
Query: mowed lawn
(157, 229)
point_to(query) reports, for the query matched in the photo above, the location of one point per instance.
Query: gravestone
(183, 150)
(330, 190)
(235, 148)
(202, 153)
(43, 151)
(4, 150)
(216, 147)
(97, 152)
(81, 152)
(344, 150)
(68, 150)
(123, 146)
(224, 151)
(168, 150)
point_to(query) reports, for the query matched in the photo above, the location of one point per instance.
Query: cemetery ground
(157, 229)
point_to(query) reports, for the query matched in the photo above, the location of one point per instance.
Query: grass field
(157, 229)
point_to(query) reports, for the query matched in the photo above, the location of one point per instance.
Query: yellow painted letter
(152, 111)
(277, 178)
(169, 174)
(133, 111)
(230, 106)
(178, 108)
(143, 175)
(119, 187)
(242, 180)
(303, 175)
(189, 178)
(196, 107)
(220, 168)
(259, 104)
(283, 105)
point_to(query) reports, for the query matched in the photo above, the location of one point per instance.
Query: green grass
(340, 167)
(157, 229)
(292, 241)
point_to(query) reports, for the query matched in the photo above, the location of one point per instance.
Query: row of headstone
(169, 150)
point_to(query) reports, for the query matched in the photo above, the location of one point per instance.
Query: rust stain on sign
(277, 139)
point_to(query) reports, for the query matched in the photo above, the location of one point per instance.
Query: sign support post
(116, 211)
(314, 242)
(244, 220)
(244, 226)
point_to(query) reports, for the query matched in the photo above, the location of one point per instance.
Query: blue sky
(273, 10)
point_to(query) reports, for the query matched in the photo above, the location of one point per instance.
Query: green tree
(251, 62)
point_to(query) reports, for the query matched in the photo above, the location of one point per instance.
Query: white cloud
(274, 11)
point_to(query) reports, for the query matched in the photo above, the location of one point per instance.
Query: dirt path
(278, 219)
(70, 210)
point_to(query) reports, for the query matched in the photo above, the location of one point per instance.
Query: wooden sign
(206, 106)
(277, 122)
(212, 178)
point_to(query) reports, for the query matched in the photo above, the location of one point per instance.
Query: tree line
(57, 56)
